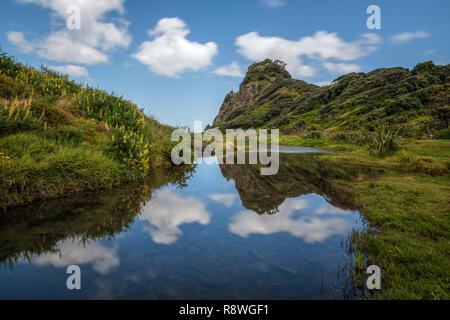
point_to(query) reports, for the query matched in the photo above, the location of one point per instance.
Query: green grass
(411, 211)
(58, 137)
(314, 143)
(407, 202)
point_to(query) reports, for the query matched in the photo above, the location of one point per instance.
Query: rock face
(258, 77)
(268, 97)
(237, 100)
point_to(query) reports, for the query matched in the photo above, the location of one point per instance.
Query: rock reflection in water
(225, 232)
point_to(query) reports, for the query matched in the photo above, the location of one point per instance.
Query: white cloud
(311, 229)
(71, 70)
(227, 199)
(69, 252)
(330, 210)
(170, 53)
(61, 47)
(371, 38)
(274, 3)
(323, 83)
(321, 46)
(409, 36)
(341, 67)
(18, 40)
(232, 70)
(89, 45)
(168, 211)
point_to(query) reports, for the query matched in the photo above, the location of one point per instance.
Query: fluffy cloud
(273, 3)
(409, 36)
(232, 70)
(71, 70)
(169, 53)
(341, 67)
(371, 38)
(310, 228)
(69, 251)
(321, 46)
(89, 45)
(227, 199)
(330, 210)
(18, 40)
(168, 211)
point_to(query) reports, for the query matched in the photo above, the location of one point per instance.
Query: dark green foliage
(443, 134)
(441, 115)
(265, 70)
(386, 141)
(353, 102)
(423, 67)
(296, 128)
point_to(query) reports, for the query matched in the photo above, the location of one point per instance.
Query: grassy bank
(407, 202)
(58, 137)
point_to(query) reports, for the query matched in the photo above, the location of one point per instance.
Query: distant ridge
(268, 97)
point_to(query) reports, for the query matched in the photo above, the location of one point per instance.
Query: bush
(296, 128)
(386, 141)
(428, 165)
(443, 134)
(314, 135)
(16, 116)
(358, 138)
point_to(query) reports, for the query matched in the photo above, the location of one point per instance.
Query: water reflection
(227, 199)
(225, 232)
(168, 211)
(77, 251)
(41, 228)
(297, 175)
(294, 217)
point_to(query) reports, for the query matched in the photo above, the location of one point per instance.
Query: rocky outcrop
(269, 98)
(259, 76)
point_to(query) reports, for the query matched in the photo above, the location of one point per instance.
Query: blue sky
(179, 59)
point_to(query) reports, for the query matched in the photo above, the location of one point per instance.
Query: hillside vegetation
(373, 122)
(268, 97)
(58, 137)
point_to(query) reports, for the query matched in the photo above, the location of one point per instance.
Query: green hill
(58, 137)
(268, 97)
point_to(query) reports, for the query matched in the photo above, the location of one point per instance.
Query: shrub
(443, 134)
(423, 67)
(428, 165)
(16, 116)
(314, 135)
(296, 127)
(385, 141)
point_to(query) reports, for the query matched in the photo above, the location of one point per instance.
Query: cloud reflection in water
(308, 227)
(103, 259)
(168, 211)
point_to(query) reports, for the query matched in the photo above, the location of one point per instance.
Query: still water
(214, 232)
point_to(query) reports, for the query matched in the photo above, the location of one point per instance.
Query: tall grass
(386, 141)
(57, 133)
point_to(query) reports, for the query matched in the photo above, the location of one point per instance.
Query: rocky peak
(259, 75)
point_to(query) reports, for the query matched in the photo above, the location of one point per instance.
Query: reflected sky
(228, 234)
(168, 210)
(227, 199)
(75, 251)
(296, 217)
